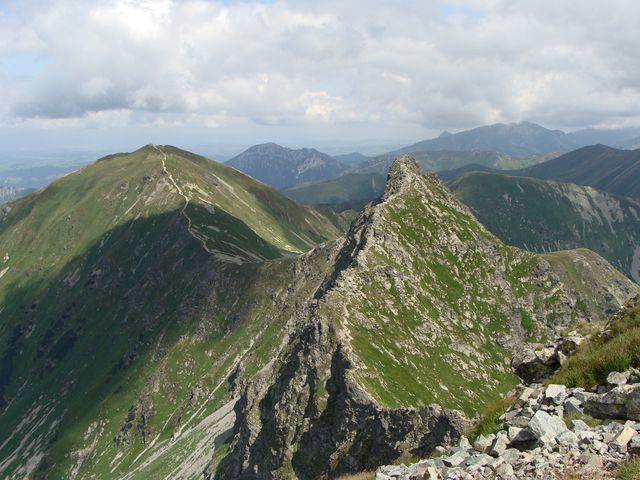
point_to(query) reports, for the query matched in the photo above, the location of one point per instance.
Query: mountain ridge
(284, 347)
(520, 139)
(543, 215)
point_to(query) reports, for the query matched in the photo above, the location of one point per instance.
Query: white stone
(555, 393)
(617, 378)
(542, 423)
(623, 439)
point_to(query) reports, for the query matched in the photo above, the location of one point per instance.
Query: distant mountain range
(593, 207)
(283, 167)
(501, 146)
(521, 139)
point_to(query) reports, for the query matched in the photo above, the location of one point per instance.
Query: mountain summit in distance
(520, 139)
(283, 167)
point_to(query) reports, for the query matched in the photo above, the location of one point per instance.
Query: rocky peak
(403, 169)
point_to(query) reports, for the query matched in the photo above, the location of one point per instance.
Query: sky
(117, 74)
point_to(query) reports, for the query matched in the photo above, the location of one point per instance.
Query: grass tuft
(490, 419)
(615, 352)
(358, 476)
(629, 470)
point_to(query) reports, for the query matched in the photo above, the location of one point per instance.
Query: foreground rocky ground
(548, 432)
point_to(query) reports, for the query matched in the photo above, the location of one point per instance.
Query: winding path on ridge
(183, 212)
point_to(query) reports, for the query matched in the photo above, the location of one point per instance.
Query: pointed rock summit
(403, 169)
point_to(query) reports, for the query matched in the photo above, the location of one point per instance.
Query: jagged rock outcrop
(534, 363)
(422, 306)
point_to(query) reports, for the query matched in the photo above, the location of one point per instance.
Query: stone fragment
(634, 445)
(622, 402)
(499, 445)
(572, 406)
(482, 443)
(455, 459)
(567, 439)
(504, 470)
(622, 440)
(555, 393)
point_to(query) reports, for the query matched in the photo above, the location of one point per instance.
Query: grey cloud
(300, 62)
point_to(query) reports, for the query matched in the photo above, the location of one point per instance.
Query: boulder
(634, 445)
(482, 443)
(504, 470)
(542, 423)
(579, 426)
(622, 402)
(572, 406)
(533, 366)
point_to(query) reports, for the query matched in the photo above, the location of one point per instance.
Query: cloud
(438, 65)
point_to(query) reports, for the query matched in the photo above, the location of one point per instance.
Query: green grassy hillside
(131, 290)
(605, 168)
(348, 192)
(546, 216)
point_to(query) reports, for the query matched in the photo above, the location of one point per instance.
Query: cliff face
(422, 306)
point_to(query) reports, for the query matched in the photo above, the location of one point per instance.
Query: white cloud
(439, 65)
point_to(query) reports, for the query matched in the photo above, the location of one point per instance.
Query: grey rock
(479, 460)
(567, 439)
(555, 393)
(542, 423)
(499, 445)
(634, 445)
(572, 406)
(622, 402)
(455, 459)
(482, 443)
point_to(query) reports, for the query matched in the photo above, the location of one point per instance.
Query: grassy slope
(548, 216)
(437, 299)
(616, 351)
(112, 310)
(351, 191)
(599, 166)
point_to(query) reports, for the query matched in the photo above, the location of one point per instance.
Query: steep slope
(605, 168)
(164, 315)
(547, 216)
(283, 167)
(521, 139)
(351, 191)
(131, 291)
(422, 305)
